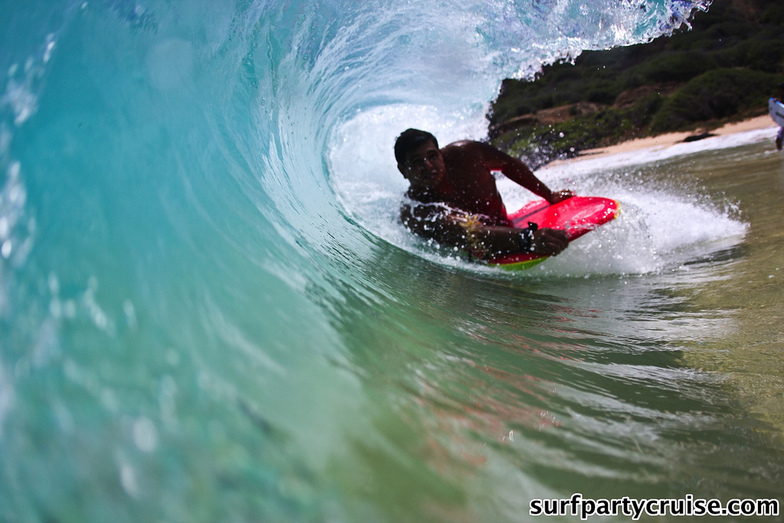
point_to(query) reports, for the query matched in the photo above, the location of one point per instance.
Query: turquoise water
(208, 311)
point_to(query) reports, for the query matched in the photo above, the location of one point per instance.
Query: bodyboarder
(453, 197)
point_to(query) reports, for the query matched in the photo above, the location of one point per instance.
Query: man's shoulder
(457, 153)
(471, 148)
(463, 145)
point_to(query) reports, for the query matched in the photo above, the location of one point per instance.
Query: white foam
(363, 172)
(656, 228)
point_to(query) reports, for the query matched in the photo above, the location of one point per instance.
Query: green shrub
(714, 95)
(773, 15)
(643, 111)
(729, 31)
(765, 55)
(601, 96)
(675, 67)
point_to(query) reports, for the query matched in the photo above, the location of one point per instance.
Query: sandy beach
(667, 140)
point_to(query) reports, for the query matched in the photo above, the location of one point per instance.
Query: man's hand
(549, 242)
(560, 196)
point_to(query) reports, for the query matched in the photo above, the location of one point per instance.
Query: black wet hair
(409, 140)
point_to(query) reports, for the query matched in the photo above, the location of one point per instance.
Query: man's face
(424, 166)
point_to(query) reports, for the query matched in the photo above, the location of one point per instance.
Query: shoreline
(667, 140)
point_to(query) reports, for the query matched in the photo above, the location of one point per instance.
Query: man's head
(419, 159)
(409, 140)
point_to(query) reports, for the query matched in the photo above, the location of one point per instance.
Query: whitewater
(210, 312)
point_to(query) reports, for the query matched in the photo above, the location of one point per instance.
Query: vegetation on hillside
(721, 70)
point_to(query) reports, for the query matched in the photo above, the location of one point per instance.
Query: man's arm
(517, 171)
(453, 228)
(501, 241)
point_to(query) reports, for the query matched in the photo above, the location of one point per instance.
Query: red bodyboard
(576, 215)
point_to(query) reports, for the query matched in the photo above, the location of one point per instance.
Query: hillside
(723, 69)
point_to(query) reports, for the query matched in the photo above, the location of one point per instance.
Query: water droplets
(6, 248)
(94, 310)
(128, 478)
(145, 435)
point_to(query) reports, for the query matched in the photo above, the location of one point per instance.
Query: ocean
(210, 312)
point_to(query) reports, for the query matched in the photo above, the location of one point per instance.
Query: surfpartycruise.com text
(689, 506)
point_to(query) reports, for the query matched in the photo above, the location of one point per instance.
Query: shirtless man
(454, 199)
